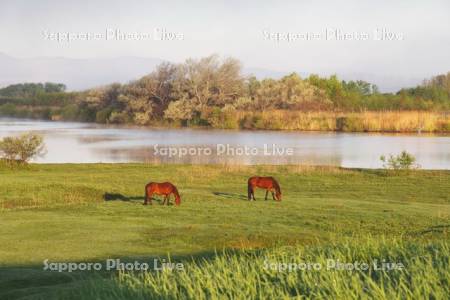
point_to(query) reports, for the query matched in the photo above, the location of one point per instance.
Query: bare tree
(209, 82)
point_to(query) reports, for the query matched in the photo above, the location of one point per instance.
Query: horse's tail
(146, 193)
(249, 189)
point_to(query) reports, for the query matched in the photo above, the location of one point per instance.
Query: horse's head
(278, 195)
(177, 200)
(277, 191)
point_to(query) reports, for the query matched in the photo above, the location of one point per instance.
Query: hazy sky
(236, 29)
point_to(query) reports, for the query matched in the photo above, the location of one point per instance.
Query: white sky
(236, 29)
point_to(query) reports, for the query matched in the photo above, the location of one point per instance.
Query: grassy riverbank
(59, 212)
(367, 121)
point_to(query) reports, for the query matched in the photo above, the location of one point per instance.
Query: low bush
(22, 148)
(402, 161)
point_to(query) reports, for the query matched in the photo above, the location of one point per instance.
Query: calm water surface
(87, 143)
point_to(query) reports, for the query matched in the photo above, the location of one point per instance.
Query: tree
(50, 87)
(160, 85)
(360, 87)
(137, 102)
(209, 81)
(32, 89)
(268, 94)
(440, 81)
(181, 110)
(333, 88)
(290, 92)
(296, 93)
(101, 97)
(148, 97)
(22, 148)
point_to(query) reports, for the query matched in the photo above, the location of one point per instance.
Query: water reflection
(86, 143)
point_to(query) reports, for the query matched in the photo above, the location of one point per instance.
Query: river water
(69, 142)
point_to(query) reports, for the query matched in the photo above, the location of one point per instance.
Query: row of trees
(175, 92)
(203, 91)
(24, 90)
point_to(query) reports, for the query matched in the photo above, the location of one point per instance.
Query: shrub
(182, 110)
(8, 109)
(103, 115)
(87, 115)
(22, 148)
(230, 117)
(70, 112)
(402, 161)
(118, 117)
(224, 117)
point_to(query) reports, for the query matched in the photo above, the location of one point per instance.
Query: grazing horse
(165, 188)
(267, 183)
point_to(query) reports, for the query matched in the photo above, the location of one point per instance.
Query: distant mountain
(261, 73)
(77, 74)
(80, 74)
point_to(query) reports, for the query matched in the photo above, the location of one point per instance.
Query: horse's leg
(267, 191)
(273, 195)
(145, 196)
(168, 199)
(164, 200)
(253, 194)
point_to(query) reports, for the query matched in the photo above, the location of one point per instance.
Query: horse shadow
(230, 195)
(120, 197)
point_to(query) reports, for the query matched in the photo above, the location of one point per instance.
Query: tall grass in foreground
(250, 275)
(367, 121)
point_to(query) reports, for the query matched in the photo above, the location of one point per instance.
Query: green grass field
(59, 213)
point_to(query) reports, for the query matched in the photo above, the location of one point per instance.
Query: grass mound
(421, 271)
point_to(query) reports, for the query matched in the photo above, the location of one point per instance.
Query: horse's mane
(175, 190)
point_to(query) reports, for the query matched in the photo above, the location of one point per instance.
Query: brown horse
(165, 188)
(267, 183)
